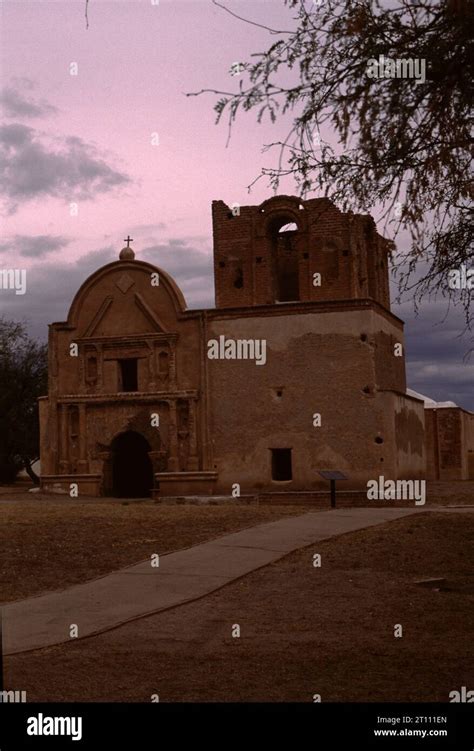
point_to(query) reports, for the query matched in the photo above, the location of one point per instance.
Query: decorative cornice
(132, 396)
(128, 339)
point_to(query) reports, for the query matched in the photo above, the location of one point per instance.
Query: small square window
(281, 465)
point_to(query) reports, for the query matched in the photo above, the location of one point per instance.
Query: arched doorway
(132, 470)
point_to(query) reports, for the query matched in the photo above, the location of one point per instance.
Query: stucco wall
(320, 364)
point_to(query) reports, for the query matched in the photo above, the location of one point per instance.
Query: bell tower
(294, 250)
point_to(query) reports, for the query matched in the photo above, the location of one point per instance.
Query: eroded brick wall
(344, 249)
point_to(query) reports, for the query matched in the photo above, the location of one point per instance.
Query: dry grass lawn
(49, 544)
(304, 630)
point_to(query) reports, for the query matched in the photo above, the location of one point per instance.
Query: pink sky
(135, 64)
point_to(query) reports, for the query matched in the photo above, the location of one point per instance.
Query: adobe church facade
(299, 368)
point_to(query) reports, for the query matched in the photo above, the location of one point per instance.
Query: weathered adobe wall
(447, 444)
(431, 444)
(450, 445)
(408, 417)
(451, 448)
(469, 433)
(320, 364)
(389, 356)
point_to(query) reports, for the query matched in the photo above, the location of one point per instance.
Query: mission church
(147, 397)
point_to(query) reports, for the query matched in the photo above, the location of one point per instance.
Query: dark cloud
(437, 348)
(50, 288)
(15, 135)
(31, 166)
(436, 343)
(90, 262)
(191, 268)
(180, 259)
(34, 245)
(15, 104)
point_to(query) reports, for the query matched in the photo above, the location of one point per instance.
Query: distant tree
(23, 378)
(401, 144)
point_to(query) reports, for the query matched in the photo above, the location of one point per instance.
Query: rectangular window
(281, 464)
(128, 375)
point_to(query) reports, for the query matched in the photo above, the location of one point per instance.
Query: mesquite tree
(393, 141)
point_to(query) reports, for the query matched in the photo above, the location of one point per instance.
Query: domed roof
(126, 254)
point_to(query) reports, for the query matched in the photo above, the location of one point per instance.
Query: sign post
(332, 475)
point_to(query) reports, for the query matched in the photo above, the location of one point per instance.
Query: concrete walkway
(139, 590)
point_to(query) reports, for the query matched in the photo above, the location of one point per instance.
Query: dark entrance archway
(132, 470)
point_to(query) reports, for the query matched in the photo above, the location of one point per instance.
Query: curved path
(139, 590)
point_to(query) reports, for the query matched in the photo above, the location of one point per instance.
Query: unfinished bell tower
(288, 250)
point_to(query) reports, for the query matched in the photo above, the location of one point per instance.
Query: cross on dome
(127, 254)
